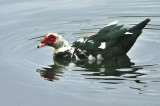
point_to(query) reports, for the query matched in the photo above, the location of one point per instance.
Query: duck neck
(60, 46)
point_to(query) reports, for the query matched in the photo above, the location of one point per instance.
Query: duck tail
(140, 26)
(128, 41)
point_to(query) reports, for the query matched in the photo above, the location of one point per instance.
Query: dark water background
(30, 77)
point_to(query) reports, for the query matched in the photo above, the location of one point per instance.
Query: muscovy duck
(111, 41)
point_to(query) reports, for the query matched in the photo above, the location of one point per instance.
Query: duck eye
(52, 37)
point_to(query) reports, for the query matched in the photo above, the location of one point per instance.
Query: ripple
(35, 38)
(81, 33)
(21, 52)
(134, 16)
(23, 21)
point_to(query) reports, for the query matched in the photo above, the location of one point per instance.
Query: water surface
(30, 77)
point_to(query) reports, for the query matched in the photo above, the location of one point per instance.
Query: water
(30, 77)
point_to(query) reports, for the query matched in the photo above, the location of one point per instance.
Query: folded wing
(107, 36)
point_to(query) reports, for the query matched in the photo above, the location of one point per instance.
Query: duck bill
(41, 45)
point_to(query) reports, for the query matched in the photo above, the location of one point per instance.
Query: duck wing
(105, 38)
(111, 41)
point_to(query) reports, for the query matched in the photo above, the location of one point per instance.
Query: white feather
(60, 45)
(80, 40)
(63, 49)
(113, 23)
(103, 45)
(128, 33)
(77, 58)
(90, 57)
(99, 56)
(91, 41)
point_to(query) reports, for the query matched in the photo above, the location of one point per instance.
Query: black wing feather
(109, 34)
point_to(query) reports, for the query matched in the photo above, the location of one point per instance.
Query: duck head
(54, 40)
(49, 40)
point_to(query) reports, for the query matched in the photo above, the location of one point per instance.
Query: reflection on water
(54, 71)
(119, 68)
(82, 83)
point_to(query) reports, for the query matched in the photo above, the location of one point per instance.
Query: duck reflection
(112, 67)
(53, 72)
